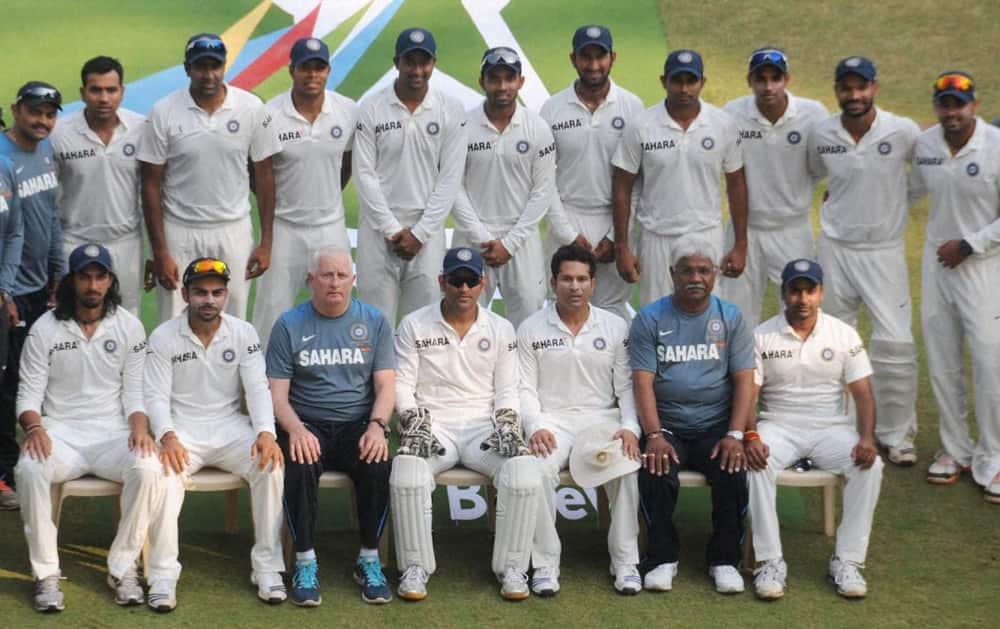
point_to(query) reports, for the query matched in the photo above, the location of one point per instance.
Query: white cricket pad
(518, 485)
(410, 486)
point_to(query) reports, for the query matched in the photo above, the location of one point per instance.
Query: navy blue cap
(35, 92)
(415, 39)
(204, 45)
(683, 61)
(463, 258)
(500, 57)
(200, 268)
(802, 268)
(89, 253)
(309, 48)
(592, 35)
(957, 84)
(862, 66)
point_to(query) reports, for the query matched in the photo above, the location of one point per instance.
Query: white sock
(305, 557)
(368, 552)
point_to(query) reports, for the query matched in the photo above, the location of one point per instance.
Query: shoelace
(372, 571)
(769, 571)
(129, 580)
(415, 573)
(847, 573)
(305, 576)
(515, 575)
(49, 585)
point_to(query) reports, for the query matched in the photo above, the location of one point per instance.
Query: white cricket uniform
(99, 199)
(963, 302)
(585, 143)
(461, 381)
(85, 389)
(206, 183)
(508, 186)
(568, 383)
(681, 190)
(779, 196)
(861, 251)
(407, 170)
(194, 391)
(803, 413)
(309, 213)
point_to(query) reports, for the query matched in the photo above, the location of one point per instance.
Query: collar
(699, 121)
(872, 135)
(480, 321)
(426, 103)
(974, 144)
(186, 331)
(288, 106)
(553, 319)
(480, 117)
(786, 327)
(80, 126)
(227, 102)
(612, 96)
(791, 111)
(71, 326)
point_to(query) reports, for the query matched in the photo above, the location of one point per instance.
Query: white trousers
(654, 260)
(291, 253)
(830, 449)
(227, 447)
(522, 281)
(623, 499)
(102, 452)
(230, 242)
(878, 278)
(958, 304)
(126, 256)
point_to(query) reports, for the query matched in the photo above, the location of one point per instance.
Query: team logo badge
(802, 266)
(91, 251)
(228, 355)
(594, 32)
(417, 37)
(128, 150)
(359, 331)
(827, 354)
(853, 62)
(716, 331)
(618, 122)
(484, 345)
(972, 169)
(523, 146)
(433, 128)
(600, 343)
(685, 57)
(715, 326)
(336, 132)
(233, 126)
(313, 44)
(464, 255)
(884, 148)
(794, 137)
(110, 346)
(707, 144)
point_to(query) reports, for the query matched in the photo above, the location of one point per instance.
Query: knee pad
(517, 486)
(410, 487)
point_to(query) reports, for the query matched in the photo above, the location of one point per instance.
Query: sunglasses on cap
(210, 266)
(771, 57)
(502, 55)
(40, 92)
(957, 82)
(458, 280)
(203, 44)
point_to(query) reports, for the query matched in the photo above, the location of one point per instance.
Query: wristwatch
(964, 248)
(381, 422)
(735, 434)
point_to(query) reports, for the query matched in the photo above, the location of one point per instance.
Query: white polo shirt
(307, 170)
(99, 183)
(867, 206)
(408, 165)
(207, 178)
(567, 375)
(964, 189)
(67, 377)
(779, 186)
(510, 178)
(805, 380)
(681, 170)
(193, 387)
(458, 379)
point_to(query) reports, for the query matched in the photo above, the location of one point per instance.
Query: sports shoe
(413, 584)
(769, 579)
(514, 585)
(661, 578)
(128, 590)
(627, 580)
(8, 497)
(944, 470)
(727, 579)
(991, 493)
(270, 587)
(305, 584)
(374, 587)
(903, 455)
(846, 575)
(162, 596)
(48, 594)
(545, 582)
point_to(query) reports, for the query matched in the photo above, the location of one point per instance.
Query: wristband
(964, 248)
(32, 428)
(751, 435)
(654, 435)
(381, 422)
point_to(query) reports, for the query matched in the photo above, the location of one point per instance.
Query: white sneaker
(991, 493)
(128, 590)
(48, 594)
(545, 582)
(727, 579)
(162, 596)
(413, 584)
(903, 455)
(627, 580)
(769, 579)
(661, 578)
(270, 587)
(514, 585)
(944, 470)
(846, 575)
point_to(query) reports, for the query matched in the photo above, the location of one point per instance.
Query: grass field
(935, 552)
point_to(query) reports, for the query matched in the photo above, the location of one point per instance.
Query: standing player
(681, 147)
(11, 242)
(331, 368)
(197, 366)
(773, 125)
(195, 176)
(587, 119)
(456, 392)
(575, 373)
(96, 156)
(958, 163)
(408, 159)
(863, 153)
(100, 428)
(508, 186)
(316, 130)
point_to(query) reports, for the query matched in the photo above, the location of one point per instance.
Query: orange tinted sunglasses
(206, 266)
(957, 82)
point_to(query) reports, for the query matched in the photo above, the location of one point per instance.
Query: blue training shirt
(693, 357)
(11, 226)
(330, 360)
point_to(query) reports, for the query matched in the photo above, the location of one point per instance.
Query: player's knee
(145, 470)
(520, 473)
(409, 472)
(29, 470)
(376, 471)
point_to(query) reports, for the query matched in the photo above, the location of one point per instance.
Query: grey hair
(329, 251)
(694, 245)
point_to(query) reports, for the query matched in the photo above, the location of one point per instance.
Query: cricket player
(681, 147)
(575, 373)
(957, 163)
(457, 400)
(692, 375)
(95, 151)
(316, 129)
(863, 153)
(80, 405)
(805, 359)
(409, 152)
(194, 158)
(588, 119)
(509, 183)
(773, 125)
(331, 365)
(197, 365)
(11, 243)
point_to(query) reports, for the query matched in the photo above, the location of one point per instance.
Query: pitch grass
(934, 551)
